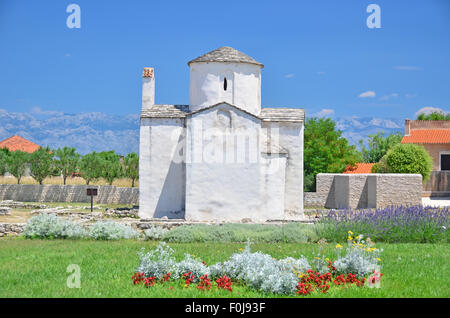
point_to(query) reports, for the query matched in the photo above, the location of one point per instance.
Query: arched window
(225, 84)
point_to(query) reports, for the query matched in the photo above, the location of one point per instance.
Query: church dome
(226, 54)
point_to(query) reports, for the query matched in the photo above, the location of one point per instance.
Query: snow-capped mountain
(357, 128)
(99, 131)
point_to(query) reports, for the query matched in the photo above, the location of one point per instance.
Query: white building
(222, 157)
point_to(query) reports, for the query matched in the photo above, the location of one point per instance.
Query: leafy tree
(41, 164)
(91, 167)
(131, 167)
(4, 153)
(17, 162)
(111, 168)
(379, 146)
(410, 158)
(434, 116)
(67, 162)
(325, 150)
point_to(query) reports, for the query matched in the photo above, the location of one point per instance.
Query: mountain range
(96, 131)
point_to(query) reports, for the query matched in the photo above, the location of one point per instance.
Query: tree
(325, 150)
(42, 164)
(434, 116)
(379, 146)
(4, 153)
(67, 162)
(410, 158)
(91, 167)
(111, 167)
(17, 163)
(131, 167)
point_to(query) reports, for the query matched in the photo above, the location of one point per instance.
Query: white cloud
(289, 75)
(67, 55)
(325, 112)
(389, 96)
(410, 95)
(406, 68)
(429, 109)
(39, 111)
(368, 94)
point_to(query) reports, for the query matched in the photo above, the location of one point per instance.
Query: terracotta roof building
(434, 135)
(360, 167)
(19, 143)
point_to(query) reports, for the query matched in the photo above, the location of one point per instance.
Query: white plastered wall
(223, 180)
(161, 168)
(289, 135)
(244, 85)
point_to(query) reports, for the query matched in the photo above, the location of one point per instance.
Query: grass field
(37, 268)
(122, 182)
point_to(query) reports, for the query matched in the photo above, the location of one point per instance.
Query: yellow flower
(350, 232)
(379, 259)
(241, 249)
(327, 259)
(317, 257)
(350, 238)
(338, 246)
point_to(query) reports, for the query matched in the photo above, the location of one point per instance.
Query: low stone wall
(11, 229)
(68, 193)
(438, 185)
(359, 191)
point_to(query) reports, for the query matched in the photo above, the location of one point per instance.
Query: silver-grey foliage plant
(110, 230)
(50, 226)
(257, 270)
(155, 232)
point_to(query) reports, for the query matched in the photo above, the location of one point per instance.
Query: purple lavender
(392, 224)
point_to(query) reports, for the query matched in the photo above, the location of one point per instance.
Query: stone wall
(68, 193)
(438, 185)
(359, 191)
(11, 229)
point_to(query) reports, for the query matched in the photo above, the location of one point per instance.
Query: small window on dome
(225, 84)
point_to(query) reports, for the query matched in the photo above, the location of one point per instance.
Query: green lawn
(37, 268)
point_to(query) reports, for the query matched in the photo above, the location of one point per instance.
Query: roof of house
(226, 54)
(360, 167)
(165, 111)
(266, 114)
(427, 136)
(19, 143)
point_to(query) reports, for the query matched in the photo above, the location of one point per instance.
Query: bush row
(66, 162)
(51, 226)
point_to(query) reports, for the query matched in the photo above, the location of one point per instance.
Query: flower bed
(359, 267)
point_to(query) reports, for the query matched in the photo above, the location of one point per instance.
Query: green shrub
(381, 166)
(410, 158)
(292, 233)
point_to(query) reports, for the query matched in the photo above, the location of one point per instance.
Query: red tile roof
(360, 167)
(18, 143)
(427, 136)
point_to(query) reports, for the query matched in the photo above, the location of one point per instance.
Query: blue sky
(318, 55)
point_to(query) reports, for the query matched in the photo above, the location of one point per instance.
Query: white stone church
(222, 157)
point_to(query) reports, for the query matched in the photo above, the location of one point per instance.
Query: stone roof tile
(283, 114)
(226, 54)
(165, 111)
(267, 114)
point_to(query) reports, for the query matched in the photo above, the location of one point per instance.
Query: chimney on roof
(148, 88)
(407, 127)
